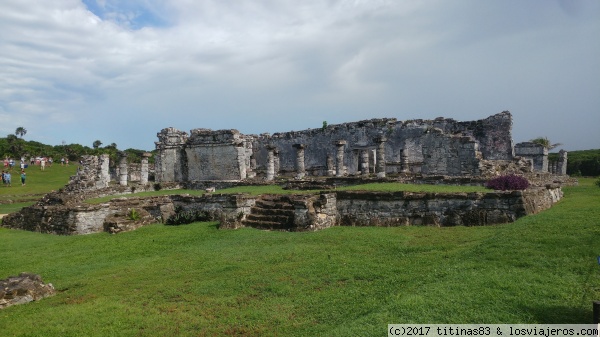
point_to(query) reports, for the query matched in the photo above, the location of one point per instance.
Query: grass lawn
(37, 184)
(196, 280)
(276, 189)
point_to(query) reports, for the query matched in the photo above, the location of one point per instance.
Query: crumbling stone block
(23, 289)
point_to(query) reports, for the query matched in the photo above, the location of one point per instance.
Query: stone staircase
(271, 212)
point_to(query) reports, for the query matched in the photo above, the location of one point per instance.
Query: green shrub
(598, 182)
(184, 217)
(133, 214)
(508, 182)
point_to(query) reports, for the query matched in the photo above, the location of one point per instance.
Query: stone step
(270, 218)
(271, 225)
(274, 204)
(271, 211)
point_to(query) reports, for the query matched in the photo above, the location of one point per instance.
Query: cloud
(121, 71)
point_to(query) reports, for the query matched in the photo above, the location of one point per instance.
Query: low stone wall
(358, 208)
(311, 212)
(115, 216)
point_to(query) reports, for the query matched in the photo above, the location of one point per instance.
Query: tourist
(23, 176)
(62, 161)
(3, 180)
(43, 164)
(7, 178)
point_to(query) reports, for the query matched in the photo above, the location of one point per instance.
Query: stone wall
(536, 153)
(451, 155)
(74, 218)
(440, 146)
(441, 209)
(171, 161)
(219, 155)
(307, 211)
(93, 173)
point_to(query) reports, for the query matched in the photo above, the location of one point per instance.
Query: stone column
(330, 167)
(123, 168)
(250, 166)
(339, 169)
(276, 161)
(364, 170)
(562, 163)
(251, 173)
(380, 166)
(103, 171)
(300, 170)
(270, 163)
(373, 161)
(144, 168)
(403, 161)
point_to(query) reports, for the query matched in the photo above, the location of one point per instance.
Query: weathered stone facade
(378, 146)
(301, 212)
(536, 153)
(438, 151)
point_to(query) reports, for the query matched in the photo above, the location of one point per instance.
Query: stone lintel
(380, 139)
(363, 147)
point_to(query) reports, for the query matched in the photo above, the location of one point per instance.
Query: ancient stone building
(428, 151)
(377, 146)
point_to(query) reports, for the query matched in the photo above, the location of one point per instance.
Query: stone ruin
(23, 289)
(440, 151)
(376, 147)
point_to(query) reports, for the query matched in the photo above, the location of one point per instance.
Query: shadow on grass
(560, 314)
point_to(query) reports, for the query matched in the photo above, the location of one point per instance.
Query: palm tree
(14, 145)
(21, 131)
(545, 142)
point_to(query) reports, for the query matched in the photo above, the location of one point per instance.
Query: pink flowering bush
(508, 182)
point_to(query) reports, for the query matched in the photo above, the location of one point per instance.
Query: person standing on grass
(23, 176)
(7, 178)
(43, 164)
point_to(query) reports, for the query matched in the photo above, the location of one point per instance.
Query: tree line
(16, 147)
(584, 163)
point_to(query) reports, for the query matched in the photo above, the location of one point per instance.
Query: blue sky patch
(132, 14)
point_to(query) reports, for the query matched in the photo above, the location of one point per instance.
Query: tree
(545, 142)
(14, 145)
(20, 131)
(97, 144)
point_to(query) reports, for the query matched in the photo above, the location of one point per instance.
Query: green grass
(37, 184)
(196, 280)
(276, 189)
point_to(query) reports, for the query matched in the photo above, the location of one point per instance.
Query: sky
(74, 71)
